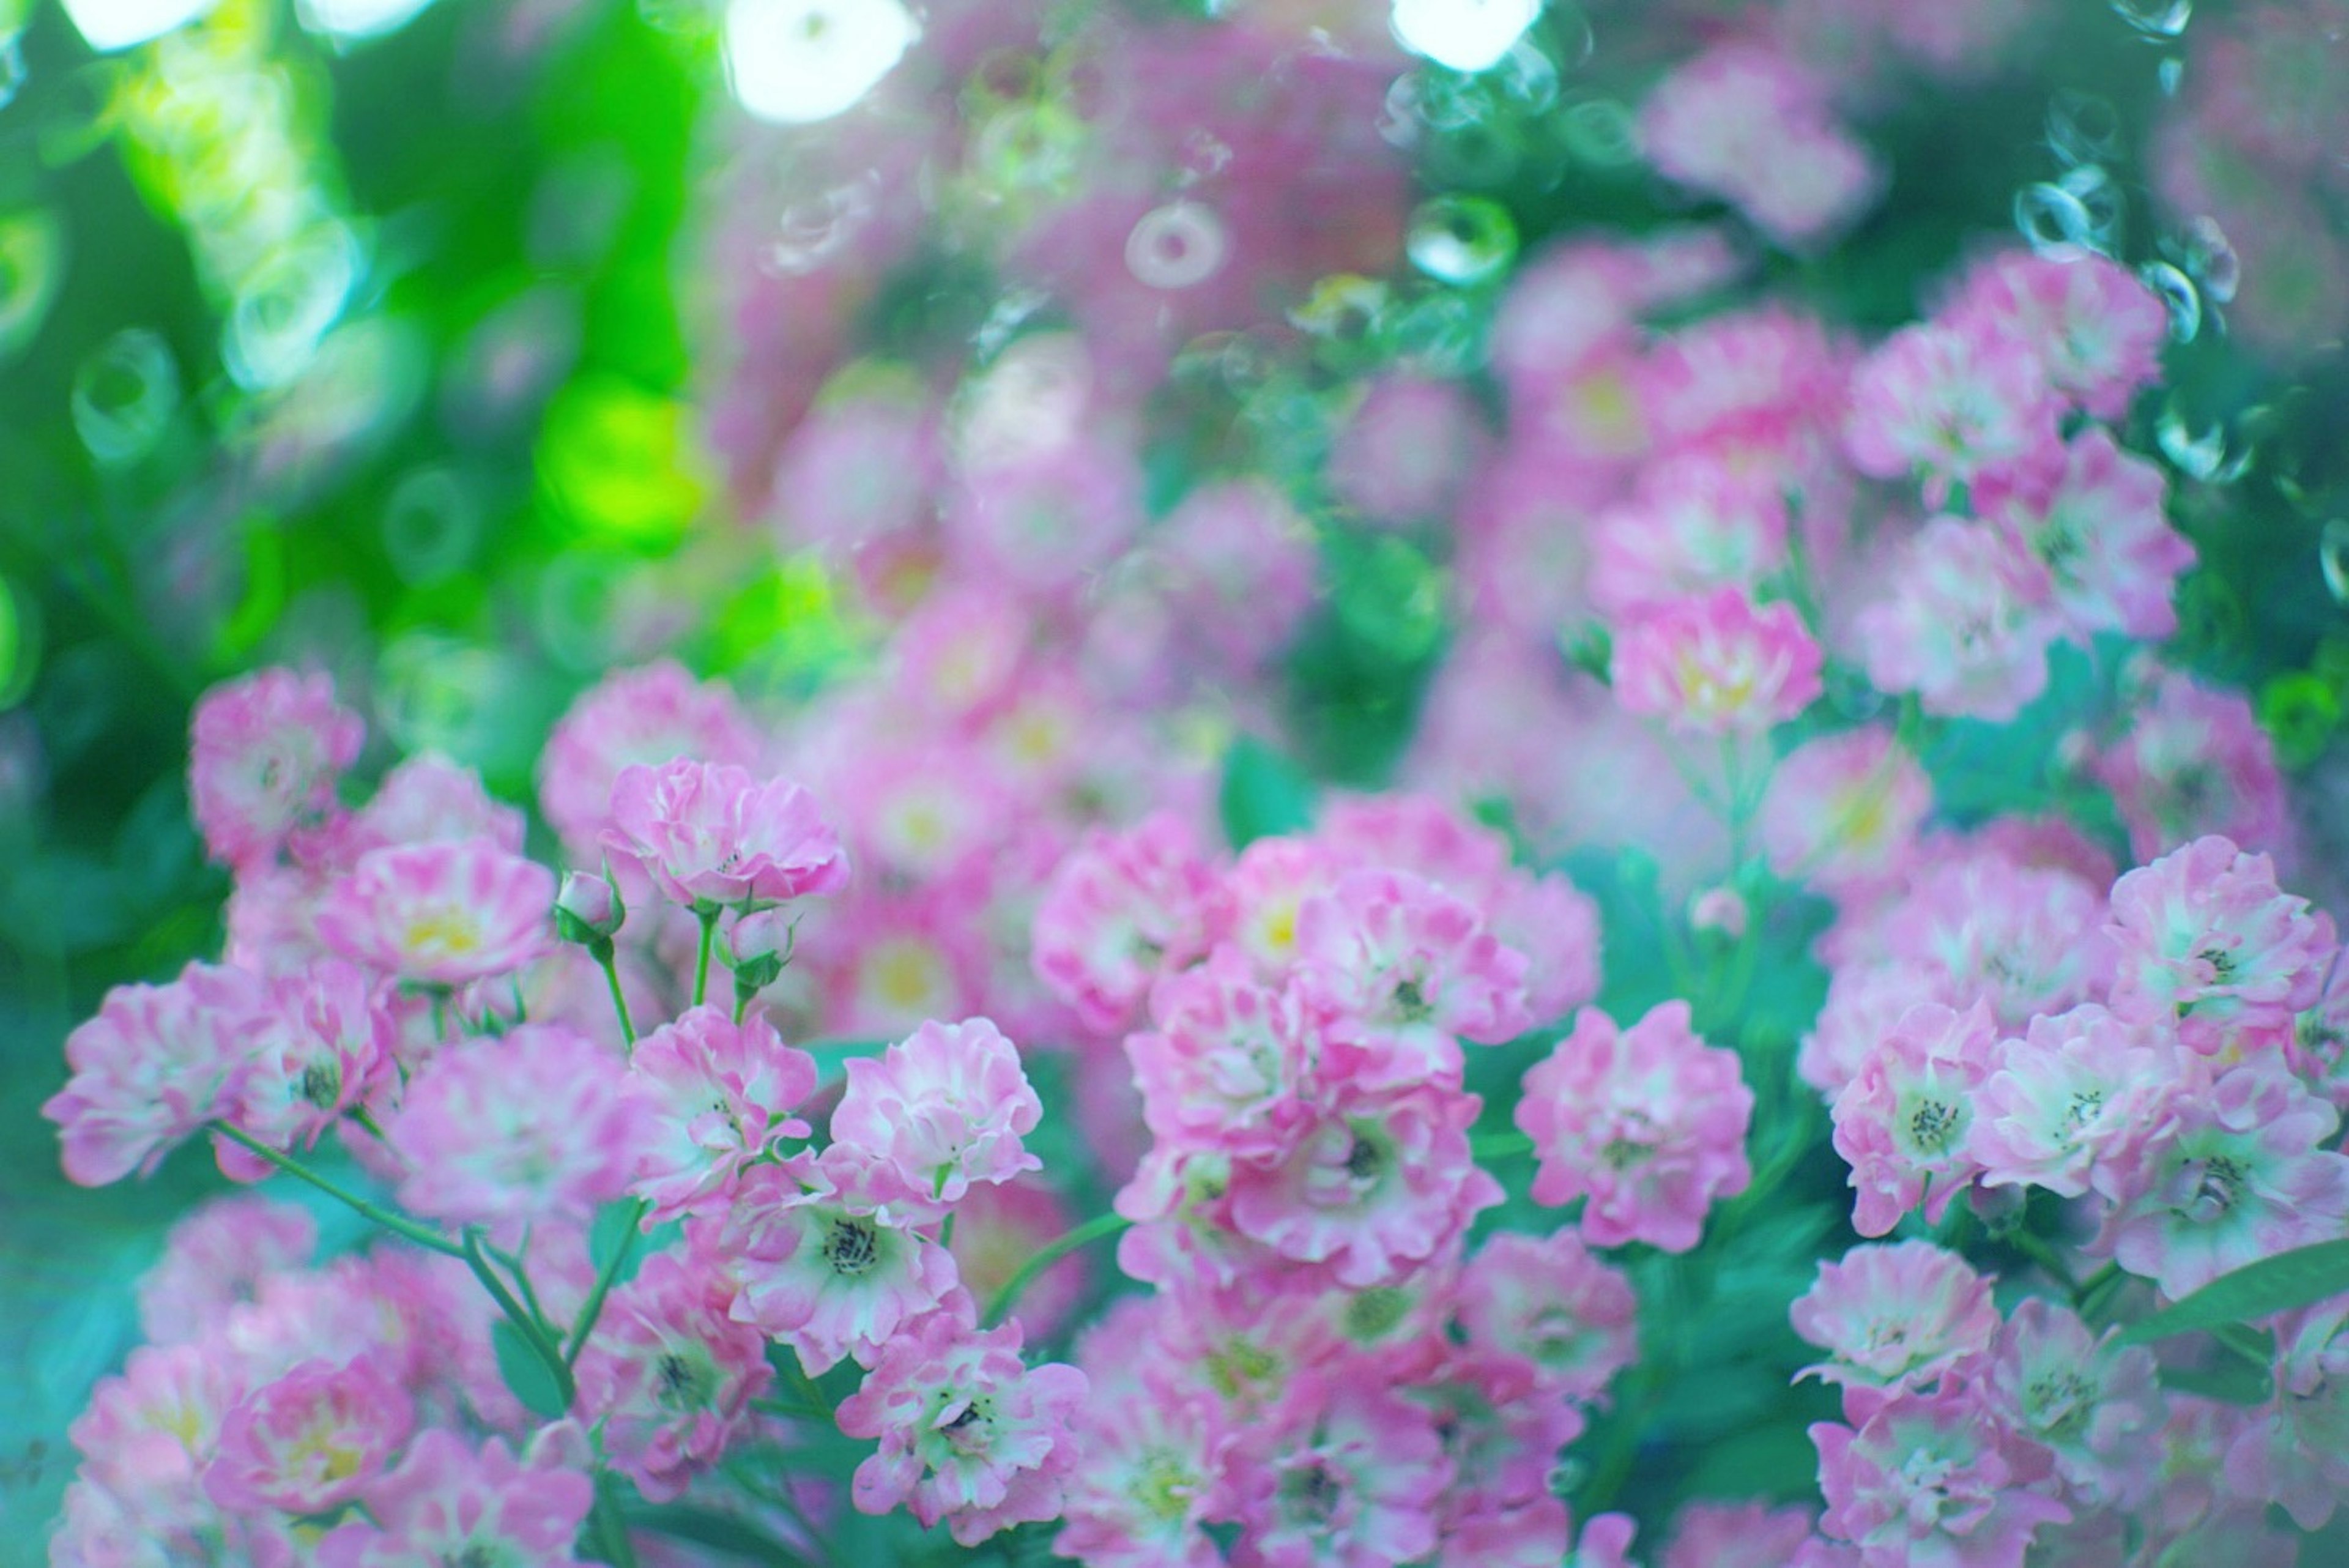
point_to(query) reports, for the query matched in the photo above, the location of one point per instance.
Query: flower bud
(588, 910)
(1719, 909)
(762, 945)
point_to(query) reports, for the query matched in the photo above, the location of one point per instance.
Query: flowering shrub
(1359, 901)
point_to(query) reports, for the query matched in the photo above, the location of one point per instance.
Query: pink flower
(1904, 1123)
(1228, 1061)
(1395, 970)
(709, 836)
(1737, 1535)
(1403, 453)
(155, 1065)
(448, 1503)
(311, 1441)
(1715, 664)
(1895, 1318)
(1550, 1302)
(1042, 520)
(510, 1130)
(1967, 626)
(1696, 526)
(1747, 122)
(943, 1108)
(1373, 1186)
(1649, 1122)
(1345, 1473)
(1842, 811)
(426, 799)
(2245, 1172)
(2069, 1105)
(1122, 909)
(1950, 402)
(2192, 759)
(1864, 1002)
(1923, 1482)
(1239, 566)
(2020, 936)
(264, 754)
(652, 715)
(2210, 946)
(717, 1095)
(2095, 521)
(669, 1375)
(2096, 331)
(2296, 1453)
(216, 1255)
(821, 1267)
(968, 1434)
(1145, 1472)
(2091, 1403)
(329, 1049)
(146, 1434)
(445, 914)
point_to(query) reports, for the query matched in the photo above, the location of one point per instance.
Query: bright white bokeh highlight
(797, 61)
(1465, 34)
(348, 21)
(110, 25)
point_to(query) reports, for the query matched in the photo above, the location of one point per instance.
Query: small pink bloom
(264, 754)
(1924, 1481)
(669, 1375)
(1696, 526)
(448, 1503)
(1550, 1302)
(2192, 759)
(1396, 969)
(1649, 1121)
(506, 1130)
(445, 914)
(2095, 521)
(1967, 624)
(216, 1255)
(2210, 946)
(1344, 1473)
(943, 1108)
(717, 1095)
(2097, 330)
(821, 1267)
(2092, 1404)
(1146, 1461)
(1122, 909)
(155, 1065)
(710, 835)
(969, 1433)
(329, 1049)
(1747, 122)
(1738, 1535)
(2070, 1104)
(1374, 1187)
(1842, 811)
(2296, 1451)
(2247, 1170)
(1228, 1060)
(1895, 1318)
(1403, 453)
(311, 1441)
(1903, 1124)
(1950, 402)
(652, 715)
(426, 799)
(1715, 664)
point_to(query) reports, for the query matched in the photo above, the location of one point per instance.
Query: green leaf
(2230, 1379)
(717, 1532)
(530, 1378)
(2288, 1280)
(1263, 793)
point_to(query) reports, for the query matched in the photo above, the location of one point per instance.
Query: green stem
(398, 1226)
(619, 1001)
(701, 959)
(610, 1526)
(2097, 1291)
(2036, 1249)
(1052, 1251)
(1482, 1146)
(594, 1306)
(524, 1322)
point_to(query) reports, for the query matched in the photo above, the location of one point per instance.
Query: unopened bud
(588, 910)
(1721, 909)
(762, 945)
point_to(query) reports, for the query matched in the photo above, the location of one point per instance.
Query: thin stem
(2097, 1291)
(619, 1002)
(1482, 1146)
(2036, 1249)
(398, 1225)
(610, 1526)
(1052, 1251)
(594, 1306)
(701, 959)
(365, 1118)
(813, 1389)
(524, 1324)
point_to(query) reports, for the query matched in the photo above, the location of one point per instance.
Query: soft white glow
(111, 24)
(1465, 35)
(1177, 246)
(795, 61)
(347, 21)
